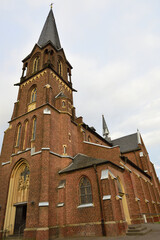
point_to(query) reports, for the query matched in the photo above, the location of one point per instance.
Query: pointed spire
(139, 137)
(105, 128)
(49, 32)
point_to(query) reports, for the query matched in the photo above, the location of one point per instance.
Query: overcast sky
(114, 48)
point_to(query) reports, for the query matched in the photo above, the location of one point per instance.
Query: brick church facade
(58, 177)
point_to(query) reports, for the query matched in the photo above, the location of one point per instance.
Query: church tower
(58, 176)
(39, 130)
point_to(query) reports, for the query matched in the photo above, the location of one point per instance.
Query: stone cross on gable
(25, 173)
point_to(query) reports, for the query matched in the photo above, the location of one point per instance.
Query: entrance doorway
(15, 217)
(20, 219)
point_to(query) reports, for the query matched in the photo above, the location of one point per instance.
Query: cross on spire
(51, 5)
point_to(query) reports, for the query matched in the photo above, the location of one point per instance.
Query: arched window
(25, 135)
(18, 135)
(64, 149)
(36, 64)
(89, 139)
(33, 95)
(63, 104)
(60, 68)
(34, 128)
(85, 191)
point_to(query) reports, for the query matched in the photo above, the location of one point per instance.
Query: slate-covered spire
(49, 32)
(105, 129)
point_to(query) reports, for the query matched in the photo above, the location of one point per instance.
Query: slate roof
(49, 32)
(83, 161)
(127, 143)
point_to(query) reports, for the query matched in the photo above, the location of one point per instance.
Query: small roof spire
(139, 137)
(49, 32)
(105, 128)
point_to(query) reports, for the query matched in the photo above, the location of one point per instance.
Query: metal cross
(25, 173)
(51, 5)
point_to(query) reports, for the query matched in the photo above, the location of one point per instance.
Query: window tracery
(36, 64)
(85, 191)
(33, 95)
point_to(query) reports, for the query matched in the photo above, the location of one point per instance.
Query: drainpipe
(100, 202)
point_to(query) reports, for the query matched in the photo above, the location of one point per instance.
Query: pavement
(153, 235)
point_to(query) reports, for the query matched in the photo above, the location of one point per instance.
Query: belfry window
(25, 135)
(34, 128)
(18, 135)
(33, 95)
(85, 191)
(60, 68)
(36, 64)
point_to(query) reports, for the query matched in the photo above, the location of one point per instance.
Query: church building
(58, 176)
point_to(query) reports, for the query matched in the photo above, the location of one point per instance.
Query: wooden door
(20, 219)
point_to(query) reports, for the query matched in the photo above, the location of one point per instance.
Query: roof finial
(51, 5)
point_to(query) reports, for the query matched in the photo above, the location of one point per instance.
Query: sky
(114, 48)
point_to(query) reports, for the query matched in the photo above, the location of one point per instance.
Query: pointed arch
(34, 125)
(36, 62)
(60, 66)
(121, 193)
(18, 193)
(85, 191)
(33, 96)
(25, 139)
(19, 128)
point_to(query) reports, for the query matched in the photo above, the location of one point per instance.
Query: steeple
(105, 129)
(49, 32)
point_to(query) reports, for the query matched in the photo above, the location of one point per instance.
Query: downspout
(100, 202)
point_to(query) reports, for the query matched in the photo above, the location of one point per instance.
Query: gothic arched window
(25, 135)
(36, 64)
(34, 128)
(85, 191)
(33, 95)
(18, 135)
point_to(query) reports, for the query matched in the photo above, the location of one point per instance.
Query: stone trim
(43, 204)
(137, 199)
(43, 229)
(86, 205)
(99, 145)
(106, 197)
(61, 156)
(30, 229)
(5, 163)
(35, 153)
(60, 205)
(118, 197)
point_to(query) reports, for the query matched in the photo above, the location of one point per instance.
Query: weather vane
(51, 5)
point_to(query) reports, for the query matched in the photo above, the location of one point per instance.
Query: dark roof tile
(49, 32)
(127, 143)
